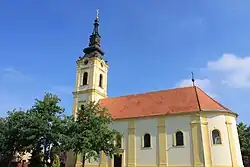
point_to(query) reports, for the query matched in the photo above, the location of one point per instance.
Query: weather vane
(97, 13)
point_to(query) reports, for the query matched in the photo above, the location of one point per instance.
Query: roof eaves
(225, 111)
(157, 115)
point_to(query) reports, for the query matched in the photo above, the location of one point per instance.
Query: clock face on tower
(86, 62)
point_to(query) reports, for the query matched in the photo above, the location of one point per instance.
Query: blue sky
(150, 46)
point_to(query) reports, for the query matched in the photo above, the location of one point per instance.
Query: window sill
(178, 146)
(83, 85)
(121, 150)
(217, 145)
(147, 148)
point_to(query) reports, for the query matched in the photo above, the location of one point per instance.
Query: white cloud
(11, 74)
(233, 70)
(224, 76)
(17, 89)
(60, 89)
(229, 69)
(204, 84)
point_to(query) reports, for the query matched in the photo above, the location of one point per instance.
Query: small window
(216, 136)
(179, 138)
(85, 79)
(147, 140)
(100, 80)
(118, 141)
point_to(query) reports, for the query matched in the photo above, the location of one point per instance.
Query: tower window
(179, 138)
(100, 80)
(85, 78)
(216, 136)
(147, 140)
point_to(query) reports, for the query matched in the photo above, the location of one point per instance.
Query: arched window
(147, 140)
(179, 139)
(216, 136)
(85, 78)
(100, 80)
(119, 141)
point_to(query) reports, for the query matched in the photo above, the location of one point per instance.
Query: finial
(193, 81)
(97, 13)
(96, 23)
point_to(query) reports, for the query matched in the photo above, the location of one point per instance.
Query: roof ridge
(143, 93)
(214, 100)
(197, 97)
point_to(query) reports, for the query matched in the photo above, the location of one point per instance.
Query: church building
(180, 127)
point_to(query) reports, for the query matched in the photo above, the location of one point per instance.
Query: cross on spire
(193, 81)
(97, 13)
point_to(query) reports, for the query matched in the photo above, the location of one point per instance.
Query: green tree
(13, 135)
(89, 134)
(3, 142)
(244, 138)
(46, 127)
(37, 130)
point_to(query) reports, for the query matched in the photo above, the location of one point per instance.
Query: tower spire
(94, 47)
(96, 23)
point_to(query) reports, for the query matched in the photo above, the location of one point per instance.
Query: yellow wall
(174, 124)
(221, 152)
(196, 151)
(206, 141)
(146, 155)
(131, 143)
(235, 139)
(198, 157)
(161, 154)
(91, 91)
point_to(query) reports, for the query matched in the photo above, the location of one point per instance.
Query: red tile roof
(173, 101)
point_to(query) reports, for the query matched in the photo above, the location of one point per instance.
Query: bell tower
(92, 70)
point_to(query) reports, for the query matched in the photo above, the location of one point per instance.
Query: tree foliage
(4, 145)
(89, 134)
(44, 131)
(244, 138)
(14, 135)
(46, 127)
(36, 130)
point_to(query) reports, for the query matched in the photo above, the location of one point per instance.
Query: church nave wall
(154, 141)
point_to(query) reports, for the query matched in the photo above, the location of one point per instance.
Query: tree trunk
(44, 155)
(83, 160)
(248, 158)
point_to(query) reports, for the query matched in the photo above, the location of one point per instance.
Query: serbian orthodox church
(179, 127)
